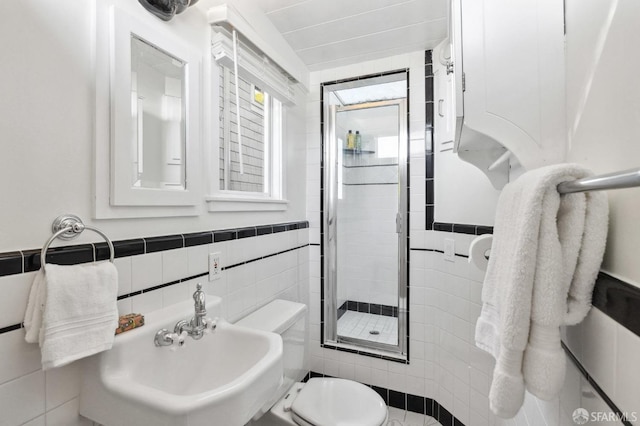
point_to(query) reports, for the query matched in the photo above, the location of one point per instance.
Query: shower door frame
(329, 236)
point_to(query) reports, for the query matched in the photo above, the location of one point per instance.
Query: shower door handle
(398, 223)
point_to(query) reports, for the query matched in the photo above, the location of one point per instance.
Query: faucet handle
(210, 324)
(178, 340)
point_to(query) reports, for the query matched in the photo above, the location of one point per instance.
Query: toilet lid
(339, 402)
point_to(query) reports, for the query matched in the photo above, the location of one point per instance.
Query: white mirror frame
(122, 27)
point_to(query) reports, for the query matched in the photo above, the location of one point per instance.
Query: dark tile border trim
(614, 408)
(369, 308)
(224, 268)
(619, 300)
(11, 263)
(163, 243)
(440, 251)
(182, 280)
(18, 262)
(158, 287)
(197, 239)
(409, 402)
(429, 156)
(462, 228)
(11, 328)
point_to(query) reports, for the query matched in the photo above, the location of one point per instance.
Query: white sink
(222, 379)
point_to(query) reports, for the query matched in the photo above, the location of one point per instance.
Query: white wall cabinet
(510, 83)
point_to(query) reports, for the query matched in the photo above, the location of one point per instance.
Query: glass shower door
(368, 190)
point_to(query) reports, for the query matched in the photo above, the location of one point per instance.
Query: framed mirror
(154, 108)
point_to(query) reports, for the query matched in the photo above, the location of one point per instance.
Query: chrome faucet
(195, 328)
(197, 325)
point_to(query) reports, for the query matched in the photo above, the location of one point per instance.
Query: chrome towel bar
(624, 179)
(68, 227)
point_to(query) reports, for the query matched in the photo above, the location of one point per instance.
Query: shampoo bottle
(351, 140)
(358, 141)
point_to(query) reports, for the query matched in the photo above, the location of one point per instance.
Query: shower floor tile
(358, 325)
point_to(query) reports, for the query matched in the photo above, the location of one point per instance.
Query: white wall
(47, 126)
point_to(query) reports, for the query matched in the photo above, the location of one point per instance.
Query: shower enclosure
(365, 213)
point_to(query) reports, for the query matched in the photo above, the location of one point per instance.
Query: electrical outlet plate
(215, 268)
(449, 249)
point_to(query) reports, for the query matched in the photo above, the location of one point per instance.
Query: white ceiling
(330, 33)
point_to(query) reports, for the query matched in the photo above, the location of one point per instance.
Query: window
(249, 170)
(254, 165)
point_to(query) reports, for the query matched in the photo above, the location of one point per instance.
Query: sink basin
(222, 379)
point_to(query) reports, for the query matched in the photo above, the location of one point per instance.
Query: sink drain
(374, 332)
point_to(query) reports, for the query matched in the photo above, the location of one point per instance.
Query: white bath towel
(72, 311)
(545, 257)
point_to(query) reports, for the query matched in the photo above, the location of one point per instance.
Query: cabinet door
(513, 56)
(444, 109)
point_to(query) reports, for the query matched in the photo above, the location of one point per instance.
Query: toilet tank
(288, 319)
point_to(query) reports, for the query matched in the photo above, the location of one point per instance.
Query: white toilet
(320, 401)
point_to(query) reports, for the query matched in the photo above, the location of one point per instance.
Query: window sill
(245, 204)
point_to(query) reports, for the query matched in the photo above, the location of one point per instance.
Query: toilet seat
(338, 402)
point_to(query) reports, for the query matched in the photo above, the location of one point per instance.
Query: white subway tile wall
(33, 397)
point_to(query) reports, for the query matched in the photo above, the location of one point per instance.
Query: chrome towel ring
(68, 227)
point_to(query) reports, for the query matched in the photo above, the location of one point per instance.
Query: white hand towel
(72, 311)
(546, 253)
(35, 307)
